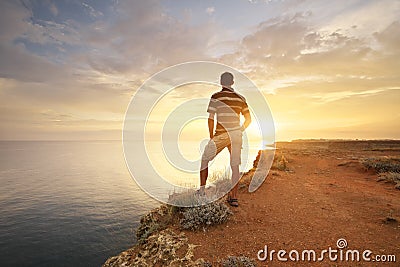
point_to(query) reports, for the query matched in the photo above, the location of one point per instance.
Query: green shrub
(382, 164)
(203, 216)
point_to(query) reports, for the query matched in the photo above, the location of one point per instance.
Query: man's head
(226, 79)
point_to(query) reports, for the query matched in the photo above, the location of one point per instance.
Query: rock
(164, 248)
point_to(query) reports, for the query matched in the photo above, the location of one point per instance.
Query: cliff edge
(316, 194)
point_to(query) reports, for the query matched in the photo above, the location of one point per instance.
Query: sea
(69, 203)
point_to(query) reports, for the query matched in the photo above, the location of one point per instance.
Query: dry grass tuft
(388, 168)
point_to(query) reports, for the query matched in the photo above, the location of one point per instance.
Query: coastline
(160, 236)
(315, 193)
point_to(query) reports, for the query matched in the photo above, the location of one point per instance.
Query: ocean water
(70, 203)
(66, 203)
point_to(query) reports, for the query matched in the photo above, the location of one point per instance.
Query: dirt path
(325, 196)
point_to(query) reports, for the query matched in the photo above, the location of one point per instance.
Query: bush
(281, 164)
(391, 177)
(383, 164)
(187, 198)
(207, 215)
(241, 261)
(219, 183)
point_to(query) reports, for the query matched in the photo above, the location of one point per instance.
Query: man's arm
(211, 125)
(247, 121)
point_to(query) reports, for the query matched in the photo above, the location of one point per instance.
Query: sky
(328, 69)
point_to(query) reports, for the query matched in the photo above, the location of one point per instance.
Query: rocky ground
(317, 193)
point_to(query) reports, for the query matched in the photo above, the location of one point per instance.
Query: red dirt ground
(326, 195)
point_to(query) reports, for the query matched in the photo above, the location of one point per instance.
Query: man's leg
(235, 151)
(235, 180)
(203, 175)
(212, 149)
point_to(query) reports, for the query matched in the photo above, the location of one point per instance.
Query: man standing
(227, 105)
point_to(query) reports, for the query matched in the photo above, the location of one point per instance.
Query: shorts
(232, 140)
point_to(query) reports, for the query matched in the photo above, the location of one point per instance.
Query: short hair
(227, 78)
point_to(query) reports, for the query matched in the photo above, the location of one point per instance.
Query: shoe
(233, 202)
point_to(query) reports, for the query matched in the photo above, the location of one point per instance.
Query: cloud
(53, 9)
(17, 24)
(274, 37)
(312, 67)
(361, 19)
(315, 77)
(273, 42)
(49, 32)
(16, 63)
(389, 38)
(13, 20)
(293, 46)
(299, 114)
(335, 96)
(93, 13)
(210, 10)
(95, 79)
(140, 39)
(143, 37)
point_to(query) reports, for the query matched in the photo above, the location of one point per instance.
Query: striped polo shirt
(228, 105)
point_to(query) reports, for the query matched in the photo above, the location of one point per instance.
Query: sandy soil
(326, 195)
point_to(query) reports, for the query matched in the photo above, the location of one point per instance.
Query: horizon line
(277, 141)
